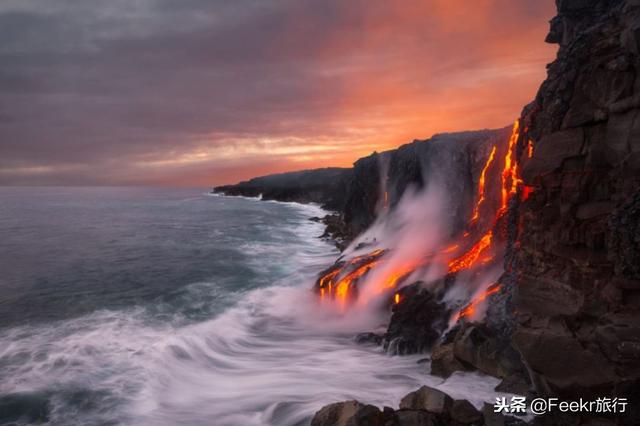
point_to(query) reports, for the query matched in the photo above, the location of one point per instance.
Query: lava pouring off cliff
(417, 249)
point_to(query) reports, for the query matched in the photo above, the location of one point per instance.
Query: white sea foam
(273, 357)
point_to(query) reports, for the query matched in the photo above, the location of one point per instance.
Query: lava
(341, 282)
(469, 258)
(510, 179)
(470, 309)
(476, 210)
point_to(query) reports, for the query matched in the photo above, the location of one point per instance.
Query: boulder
(464, 413)
(444, 362)
(416, 418)
(478, 346)
(369, 338)
(428, 399)
(337, 414)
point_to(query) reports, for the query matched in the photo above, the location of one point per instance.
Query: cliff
(576, 281)
(454, 159)
(327, 187)
(357, 194)
(566, 319)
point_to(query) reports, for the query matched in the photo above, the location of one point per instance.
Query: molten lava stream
(476, 209)
(469, 258)
(470, 309)
(510, 179)
(344, 285)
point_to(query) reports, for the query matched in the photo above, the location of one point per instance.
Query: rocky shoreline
(426, 406)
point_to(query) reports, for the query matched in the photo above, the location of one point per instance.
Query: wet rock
(416, 418)
(428, 399)
(336, 230)
(369, 415)
(464, 413)
(369, 338)
(337, 414)
(416, 323)
(444, 362)
(491, 417)
(478, 346)
(424, 407)
(514, 384)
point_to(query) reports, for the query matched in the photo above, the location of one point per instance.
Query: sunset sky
(202, 92)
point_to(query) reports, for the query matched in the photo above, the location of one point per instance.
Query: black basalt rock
(416, 322)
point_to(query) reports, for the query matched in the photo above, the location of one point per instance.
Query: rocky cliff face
(454, 160)
(567, 320)
(576, 287)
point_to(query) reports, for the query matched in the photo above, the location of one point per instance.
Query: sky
(206, 92)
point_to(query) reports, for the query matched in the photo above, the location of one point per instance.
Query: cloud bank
(199, 92)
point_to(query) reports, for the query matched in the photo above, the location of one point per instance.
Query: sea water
(148, 306)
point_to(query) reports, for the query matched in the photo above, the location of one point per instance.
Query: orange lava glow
(398, 274)
(327, 280)
(452, 247)
(472, 255)
(470, 309)
(374, 254)
(510, 178)
(476, 210)
(340, 283)
(340, 288)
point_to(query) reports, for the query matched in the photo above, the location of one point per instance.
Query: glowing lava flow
(340, 282)
(530, 149)
(471, 307)
(472, 255)
(510, 178)
(476, 210)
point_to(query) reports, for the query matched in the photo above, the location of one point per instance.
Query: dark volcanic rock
(337, 414)
(327, 187)
(464, 413)
(444, 362)
(424, 407)
(416, 323)
(454, 160)
(573, 278)
(428, 399)
(373, 338)
(478, 346)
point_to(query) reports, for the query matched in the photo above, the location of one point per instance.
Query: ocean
(155, 306)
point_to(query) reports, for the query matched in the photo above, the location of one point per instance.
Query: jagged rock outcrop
(425, 407)
(417, 323)
(454, 160)
(574, 277)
